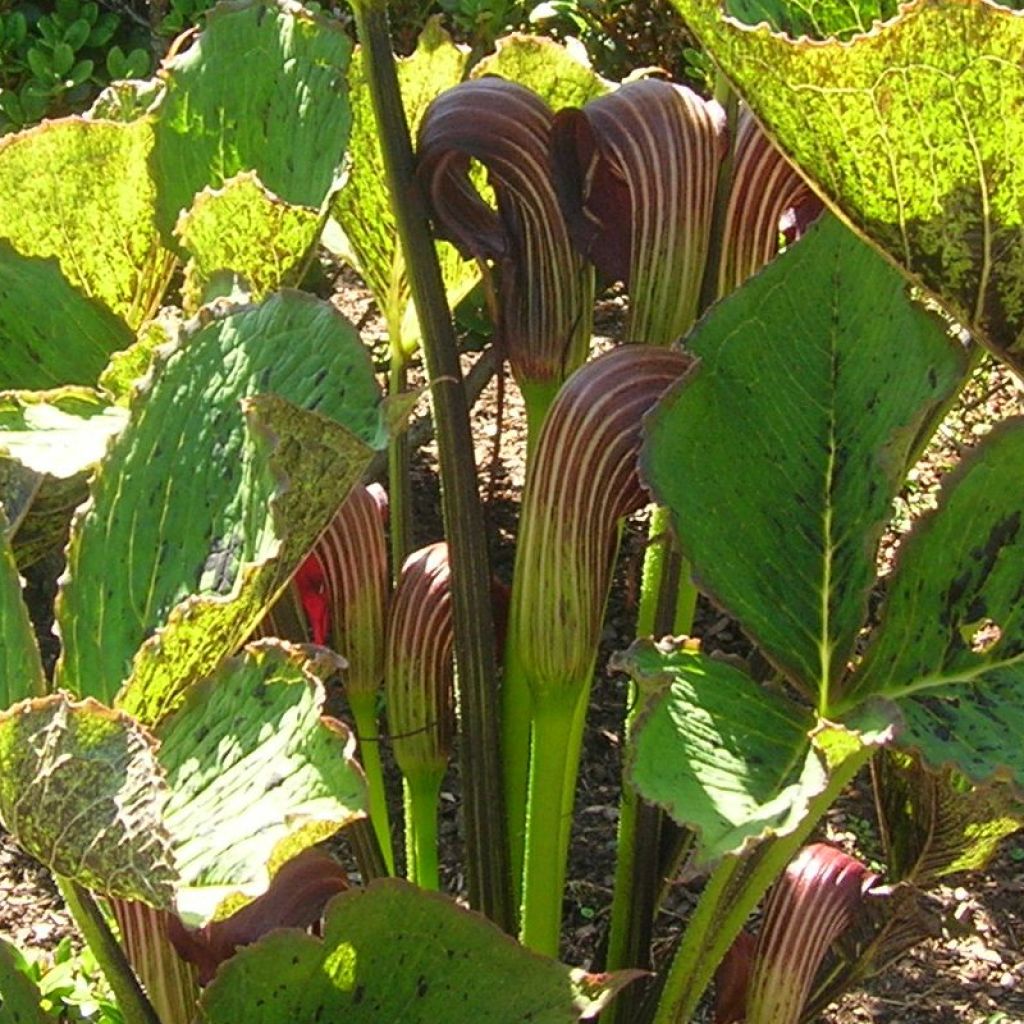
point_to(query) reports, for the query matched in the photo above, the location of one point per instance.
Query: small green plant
(54, 63)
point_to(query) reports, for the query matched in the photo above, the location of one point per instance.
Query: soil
(970, 972)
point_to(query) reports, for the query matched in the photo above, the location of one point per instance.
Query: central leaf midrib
(824, 641)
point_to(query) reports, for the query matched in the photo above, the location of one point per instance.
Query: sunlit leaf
(197, 816)
(911, 131)
(239, 448)
(719, 753)
(19, 994)
(445, 963)
(949, 648)
(81, 192)
(780, 455)
(244, 228)
(262, 89)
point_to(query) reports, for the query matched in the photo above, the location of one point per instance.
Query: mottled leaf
(129, 365)
(81, 192)
(21, 671)
(241, 444)
(262, 89)
(50, 333)
(780, 455)
(81, 790)
(363, 208)
(255, 776)
(246, 229)
(950, 645)
(912, 132)
(444, 963)
(818, 19)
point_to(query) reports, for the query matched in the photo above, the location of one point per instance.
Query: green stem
(734, 889)
(537, 397)
(399, 487)
(364, 711)
(487, 857)
(544, 865)
(668, 600)
(422, 791)
(573, 753)
(516, 724)
(131, 1000)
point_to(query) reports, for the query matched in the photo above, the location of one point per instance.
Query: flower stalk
(580, 484)
(418, 684)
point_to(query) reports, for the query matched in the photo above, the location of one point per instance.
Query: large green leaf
(442, 964)
(243, 443)
(262, 89)
(247, 230)
(722, 755)
(19, 994)
(21, 671)
(950, 645)
(49, 441)
(363, 208)
(197, 817)
(780, 455)
(50, 333)
(80, 191)
(913, 132)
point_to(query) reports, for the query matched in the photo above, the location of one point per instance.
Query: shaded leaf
(244, 228)
(211, 495)
(912, 132)
(937, 824)
(51, 333)
(81, 192)
(949, 648)
(21, 670)
(289, 123)
(445, 963)
(793, 435)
